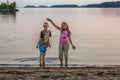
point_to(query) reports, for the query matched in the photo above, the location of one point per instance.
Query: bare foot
(66, 65)
(40, 65)
(61, 65)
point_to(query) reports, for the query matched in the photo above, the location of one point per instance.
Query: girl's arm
(53, 23)
(71, 42)
(38, 43)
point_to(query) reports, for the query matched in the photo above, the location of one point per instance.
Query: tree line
(7, 5)
(105, 5)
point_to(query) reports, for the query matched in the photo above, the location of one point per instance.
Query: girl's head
(45, 25)
(64, 26)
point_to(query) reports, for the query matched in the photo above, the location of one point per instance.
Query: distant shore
(112, 4)
(57, 73)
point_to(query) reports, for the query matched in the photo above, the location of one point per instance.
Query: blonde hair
(66, 24)
(45, 23)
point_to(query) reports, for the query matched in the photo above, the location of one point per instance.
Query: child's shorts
(42, 49)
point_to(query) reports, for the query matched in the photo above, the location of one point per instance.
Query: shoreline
(58, 65)
(58, 73)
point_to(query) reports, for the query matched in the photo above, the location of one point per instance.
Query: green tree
(12, 5)
(8, 5)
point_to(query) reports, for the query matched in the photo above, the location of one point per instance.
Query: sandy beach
(57, 73)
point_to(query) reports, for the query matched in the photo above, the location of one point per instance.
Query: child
(43, 43)
(63, 42)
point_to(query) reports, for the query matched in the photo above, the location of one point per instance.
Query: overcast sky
(21, 3)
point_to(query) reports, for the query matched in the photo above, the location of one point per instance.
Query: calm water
(95, 32)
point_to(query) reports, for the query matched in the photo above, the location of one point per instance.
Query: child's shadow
(26, 59)
(52, 60)
(48, 59)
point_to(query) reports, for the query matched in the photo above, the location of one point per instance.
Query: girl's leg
(44, 59)
(61, 62)
(66, 62)
(40, 59)
(41, 55)
(61, 54)
(66, 48)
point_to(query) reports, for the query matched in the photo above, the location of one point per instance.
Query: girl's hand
(48, 19)
(36, 46)
(73, 47)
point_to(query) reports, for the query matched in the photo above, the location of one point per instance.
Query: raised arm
(48, 19)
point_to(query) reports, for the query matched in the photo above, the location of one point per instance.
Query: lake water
(95, 33)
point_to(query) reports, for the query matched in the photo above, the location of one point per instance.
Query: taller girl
(65, 38)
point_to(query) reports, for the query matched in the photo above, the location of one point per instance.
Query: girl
(63, 42)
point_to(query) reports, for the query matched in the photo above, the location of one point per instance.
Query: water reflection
(104, 12)
(8, 17)
(110, 12)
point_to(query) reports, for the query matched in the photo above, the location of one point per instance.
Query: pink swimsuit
(64, 37)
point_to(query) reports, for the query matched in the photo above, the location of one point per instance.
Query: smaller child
(43, 43)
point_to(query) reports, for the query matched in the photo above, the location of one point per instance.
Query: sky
(21, 3)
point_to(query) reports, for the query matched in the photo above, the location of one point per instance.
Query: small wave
(47, 59)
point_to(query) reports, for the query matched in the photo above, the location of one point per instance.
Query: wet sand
(57, 73)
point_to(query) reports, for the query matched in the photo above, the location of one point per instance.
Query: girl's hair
(63, 24)
(45, 23)
(69, 33)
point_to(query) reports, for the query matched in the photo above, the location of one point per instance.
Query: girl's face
(45, 26)
(64, 26)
